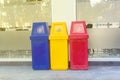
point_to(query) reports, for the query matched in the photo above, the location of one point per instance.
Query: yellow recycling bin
(58, 46)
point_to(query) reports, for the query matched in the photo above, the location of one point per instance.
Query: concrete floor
(26, 73)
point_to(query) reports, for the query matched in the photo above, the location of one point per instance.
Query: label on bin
(58, 28)
(40, 29)
(78, 28)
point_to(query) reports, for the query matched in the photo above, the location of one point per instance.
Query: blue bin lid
(39, 30)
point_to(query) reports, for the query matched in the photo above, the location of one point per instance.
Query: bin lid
(39, 28)
(58, 31)
(78, 30)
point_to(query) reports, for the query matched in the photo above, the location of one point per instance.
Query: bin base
(54, 68)
(40, 68)
(78, 67)
(58, 69)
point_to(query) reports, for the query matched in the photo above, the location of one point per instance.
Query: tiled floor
(26, 73)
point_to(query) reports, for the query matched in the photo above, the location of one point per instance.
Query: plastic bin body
(40, 46)
(58, 46)
(78, 46)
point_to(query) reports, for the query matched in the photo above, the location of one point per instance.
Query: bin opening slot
(78, 28)
(59, 29)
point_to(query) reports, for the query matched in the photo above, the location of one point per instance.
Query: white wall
(64, 11)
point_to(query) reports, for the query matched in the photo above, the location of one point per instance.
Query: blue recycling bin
(40, 46)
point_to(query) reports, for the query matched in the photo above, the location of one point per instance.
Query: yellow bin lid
(58, 31)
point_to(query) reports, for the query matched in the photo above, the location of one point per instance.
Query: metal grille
(15, 53)
(104, 53)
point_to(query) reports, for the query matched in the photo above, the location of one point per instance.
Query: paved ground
(26, 73)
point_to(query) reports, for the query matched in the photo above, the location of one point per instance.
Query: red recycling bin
(78, 46)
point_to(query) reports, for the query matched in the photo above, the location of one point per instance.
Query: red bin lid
(78, 30)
